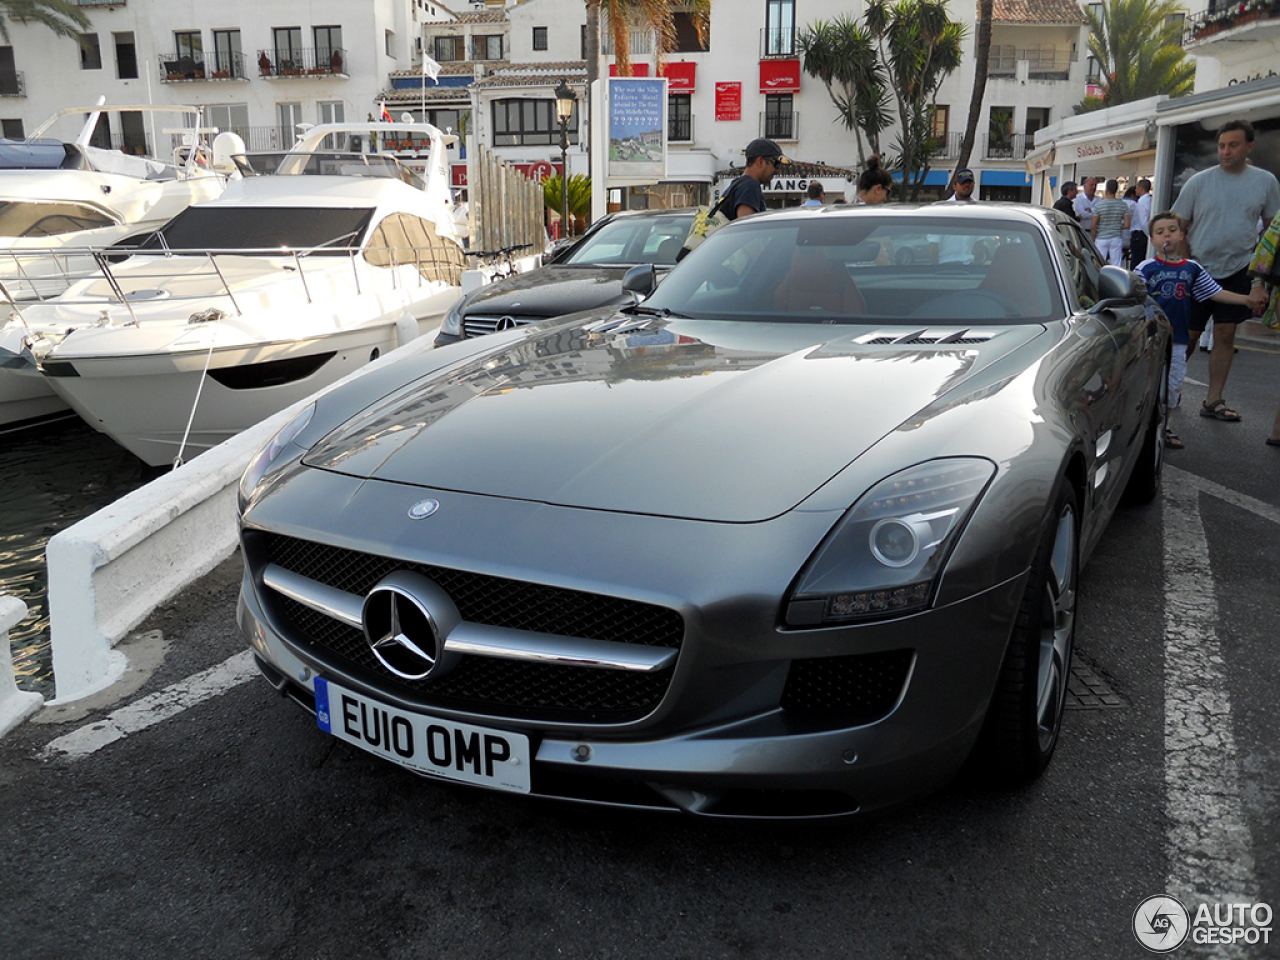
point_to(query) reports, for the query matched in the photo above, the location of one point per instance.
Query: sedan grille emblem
(423, 509)
(401, 632)
(505, 323)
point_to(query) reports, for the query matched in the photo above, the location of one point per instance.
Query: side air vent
(918, 337)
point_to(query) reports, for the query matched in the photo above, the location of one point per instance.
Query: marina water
(50, 477)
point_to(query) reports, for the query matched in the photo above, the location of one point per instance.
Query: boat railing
(21, 287)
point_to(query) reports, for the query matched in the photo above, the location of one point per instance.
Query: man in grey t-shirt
(1224, 205)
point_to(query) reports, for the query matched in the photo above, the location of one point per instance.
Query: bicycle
(505, 265)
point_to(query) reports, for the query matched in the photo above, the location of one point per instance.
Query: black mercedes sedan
(582, 276)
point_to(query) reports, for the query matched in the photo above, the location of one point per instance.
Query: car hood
(731, 422)
(550, 292)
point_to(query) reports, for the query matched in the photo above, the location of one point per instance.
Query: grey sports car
(794, 536)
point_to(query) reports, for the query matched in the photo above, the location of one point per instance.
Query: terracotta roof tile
(1037, 11)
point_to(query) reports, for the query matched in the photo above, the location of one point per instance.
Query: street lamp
(565, 102)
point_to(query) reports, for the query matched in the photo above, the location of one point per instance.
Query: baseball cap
(964, 174)
(764, 147)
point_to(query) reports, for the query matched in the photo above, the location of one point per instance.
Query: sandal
(1218, 410)
(1173, 441)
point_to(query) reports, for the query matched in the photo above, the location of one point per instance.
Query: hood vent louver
(929, 338)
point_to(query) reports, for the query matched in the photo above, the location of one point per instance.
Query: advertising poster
(637, 130)
(728, 102)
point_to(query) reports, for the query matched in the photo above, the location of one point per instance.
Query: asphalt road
(236, 829)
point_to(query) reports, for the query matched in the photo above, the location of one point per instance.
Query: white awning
(1099, 144)
(1039, 159)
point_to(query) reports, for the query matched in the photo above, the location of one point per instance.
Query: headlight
(884, 556)
(269, 454)
(452, 324)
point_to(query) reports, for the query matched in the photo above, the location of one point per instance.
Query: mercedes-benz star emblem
(401, 632)
(423, 509)
(505, 323)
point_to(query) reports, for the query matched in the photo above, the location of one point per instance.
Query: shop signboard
(637, 151)
(728, 102)
(780, 76)
(680, 76)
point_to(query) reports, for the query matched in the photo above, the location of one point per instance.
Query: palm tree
(63, 17)
(920, 46)
(656, 15)
(981, 67)
(1140, 50)
(842, 55)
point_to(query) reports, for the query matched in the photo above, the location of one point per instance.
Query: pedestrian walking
(1110, 223)
(1222, 207)
(1141, 221)
(1066, 202)
(817, 196)
(1175, 282)
(1131, 201)
(1084, 202)
(875, 183)
(965, 183)
(746, 194)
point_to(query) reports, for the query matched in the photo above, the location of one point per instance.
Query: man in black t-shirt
(1066, 202)
(744, 196)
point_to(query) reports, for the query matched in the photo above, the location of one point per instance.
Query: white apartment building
(256, 68)
(261, 69)
(502, 61)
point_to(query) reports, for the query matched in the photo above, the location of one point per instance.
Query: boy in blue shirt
(1173, 281)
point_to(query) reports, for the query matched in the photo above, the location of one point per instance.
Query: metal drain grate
(1086, 690)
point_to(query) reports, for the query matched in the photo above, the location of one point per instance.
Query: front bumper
(721, 743)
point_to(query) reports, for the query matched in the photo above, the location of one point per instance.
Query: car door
(1100, 391)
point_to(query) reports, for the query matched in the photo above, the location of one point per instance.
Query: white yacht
(58, 198)
(313, 263)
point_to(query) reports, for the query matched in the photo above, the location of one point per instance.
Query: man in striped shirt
(1110, 224)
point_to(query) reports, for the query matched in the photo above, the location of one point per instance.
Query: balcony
(1012, 146)
(187, 67)
(300, 63)
(780, 126)
(1248, 21)
(680, 129)
(1040, 66)
(778, 42)
(12, 84)
(947, 147)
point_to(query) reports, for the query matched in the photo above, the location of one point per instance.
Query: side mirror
(1118, 287)
(640, 281)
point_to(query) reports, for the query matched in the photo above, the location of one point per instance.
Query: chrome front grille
(484, 684)
(478, 326)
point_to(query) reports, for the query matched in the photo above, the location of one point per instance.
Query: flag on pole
(429, 67)
(384, 116)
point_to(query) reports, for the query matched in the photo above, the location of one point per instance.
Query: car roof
(674, 211)
(983, 210)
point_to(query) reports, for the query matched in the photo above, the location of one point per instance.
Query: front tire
(1024, 719)
(1144, 482)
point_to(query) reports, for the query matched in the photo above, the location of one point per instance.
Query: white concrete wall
(15, 705)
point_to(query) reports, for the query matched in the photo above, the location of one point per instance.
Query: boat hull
(28, 401)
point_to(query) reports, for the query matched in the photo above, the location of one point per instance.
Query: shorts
(1204, 310)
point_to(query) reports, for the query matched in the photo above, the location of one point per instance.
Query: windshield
(867, 269)
(19, 219)
(374, 165)
(631, 240)
(263, 229)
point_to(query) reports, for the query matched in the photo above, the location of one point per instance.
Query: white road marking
(1210, 849)
(1245, 502)
(152, 709)
(1194, 383)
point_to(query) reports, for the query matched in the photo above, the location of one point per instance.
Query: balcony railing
(13, 84)
(301, 62)
(680, 129)
(780, 126)
(217, 66)
(947, 147)
(1039, 66)
(1011, 146)
(1222, 16)
(778, 42)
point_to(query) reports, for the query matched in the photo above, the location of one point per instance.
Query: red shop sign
(538, 171)
(458, 174)
(680, 76)
(728, 101)
(637, 69)
(779, 76)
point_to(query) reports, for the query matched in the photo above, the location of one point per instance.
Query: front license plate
(443, 748)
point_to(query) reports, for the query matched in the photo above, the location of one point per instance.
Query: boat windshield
(39, 155)
(263, 230)
(19, 218)
(867, 268)
(326, 165)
